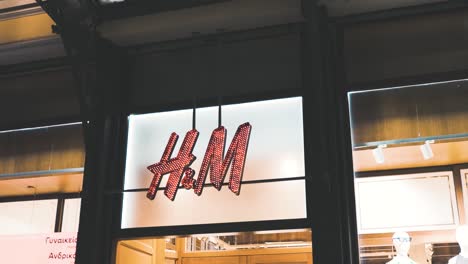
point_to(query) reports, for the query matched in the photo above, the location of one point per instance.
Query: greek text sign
(56, 248)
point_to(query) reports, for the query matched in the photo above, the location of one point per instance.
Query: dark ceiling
(131, 8)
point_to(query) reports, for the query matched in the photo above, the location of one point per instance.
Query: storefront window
(41, 175)
(410, 154)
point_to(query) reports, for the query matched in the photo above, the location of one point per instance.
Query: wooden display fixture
(136, 251)
(155, 252)
(298, 258)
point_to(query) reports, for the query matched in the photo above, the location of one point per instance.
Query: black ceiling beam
(101, 74)
(132, 8)
(395, 13)
(74, 15)
(76, 22)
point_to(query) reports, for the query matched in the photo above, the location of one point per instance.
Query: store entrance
(256, 182)
(279, 247)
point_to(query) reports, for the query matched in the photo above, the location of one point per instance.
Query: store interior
(410, 155)
(280, 246)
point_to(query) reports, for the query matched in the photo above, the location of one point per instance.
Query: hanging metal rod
(409, 141)
(40, 173)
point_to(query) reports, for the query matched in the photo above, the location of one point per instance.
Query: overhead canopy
(352, 7)
(208, 19)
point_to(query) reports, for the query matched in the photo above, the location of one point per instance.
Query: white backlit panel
(276, 148)
(413, 202)
(29, 217)
(257, 202)
(71, 215)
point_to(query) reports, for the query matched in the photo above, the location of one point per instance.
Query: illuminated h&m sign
(215, 161)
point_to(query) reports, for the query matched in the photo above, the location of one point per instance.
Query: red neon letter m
(218, 166)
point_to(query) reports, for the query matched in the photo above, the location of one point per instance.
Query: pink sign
(56, 248)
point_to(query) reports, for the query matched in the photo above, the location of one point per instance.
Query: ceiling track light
(426, 149)
(378, 153)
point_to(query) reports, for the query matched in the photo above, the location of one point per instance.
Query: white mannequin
(401, 241)
(462, 239)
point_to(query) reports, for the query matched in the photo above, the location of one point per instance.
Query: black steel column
(101, 73)
(59, 214)
(329, 171)
(103, 160)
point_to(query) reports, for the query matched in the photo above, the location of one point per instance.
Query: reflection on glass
(411, 192)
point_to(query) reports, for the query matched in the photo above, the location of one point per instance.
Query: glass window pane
(276, 146)
(46, 151)
(253, 204)
(29, 217)
(383, 200)
(71, 215)
(409, 147)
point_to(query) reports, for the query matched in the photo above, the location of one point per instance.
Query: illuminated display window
(274, 172)
(272, 246)
(410, 158)
(40, 181)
